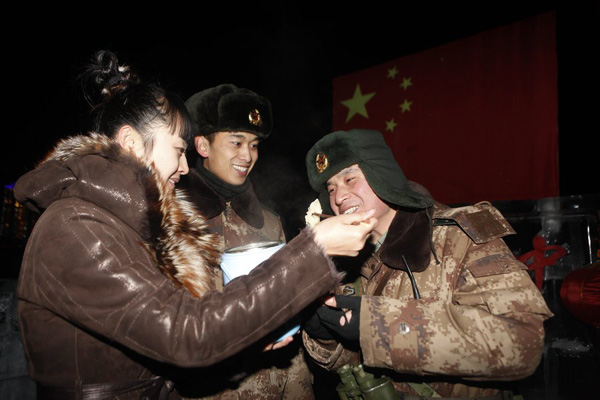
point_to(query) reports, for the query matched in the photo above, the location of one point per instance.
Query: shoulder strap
(387, 274)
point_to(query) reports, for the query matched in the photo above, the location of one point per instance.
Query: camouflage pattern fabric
(480, 316)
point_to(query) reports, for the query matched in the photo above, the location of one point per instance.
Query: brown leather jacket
(103, 282)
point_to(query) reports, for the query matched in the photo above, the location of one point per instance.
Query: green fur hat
(227, 108)
(368, 149)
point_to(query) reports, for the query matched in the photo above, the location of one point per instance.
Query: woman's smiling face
(168, 155)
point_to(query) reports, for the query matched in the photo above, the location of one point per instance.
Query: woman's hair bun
(104, 77)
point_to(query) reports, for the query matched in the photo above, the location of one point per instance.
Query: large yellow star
(390, 125)
(406, 82)
(357, 103)
(392, 72)
(405, 106)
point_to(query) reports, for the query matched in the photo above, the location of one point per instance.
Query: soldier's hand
(315, 328)
(341, 315)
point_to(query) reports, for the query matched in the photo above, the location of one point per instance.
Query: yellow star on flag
(357, 104)
(390, 125)
(405, 106)
(406, 82)
(392, 72)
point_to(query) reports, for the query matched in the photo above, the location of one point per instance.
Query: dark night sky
(286, 51)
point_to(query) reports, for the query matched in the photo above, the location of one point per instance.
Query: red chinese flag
(472, 120)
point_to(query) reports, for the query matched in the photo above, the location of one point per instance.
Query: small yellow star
(390, 125)
(406, 82)
(357, 104)
(405, 106)
(392, 72)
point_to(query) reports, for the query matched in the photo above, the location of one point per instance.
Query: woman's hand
(278, 345)
(345, 235)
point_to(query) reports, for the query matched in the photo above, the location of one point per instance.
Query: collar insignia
(255, 118)
(321, 162)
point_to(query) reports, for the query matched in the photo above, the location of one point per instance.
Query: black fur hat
(227, 108)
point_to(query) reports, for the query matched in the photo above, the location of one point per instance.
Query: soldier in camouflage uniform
(440, 304)
(229, 123)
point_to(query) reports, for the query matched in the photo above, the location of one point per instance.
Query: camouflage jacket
(480, 316)
(253, 374)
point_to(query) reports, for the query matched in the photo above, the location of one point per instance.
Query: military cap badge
(254, 117)
(321, 162)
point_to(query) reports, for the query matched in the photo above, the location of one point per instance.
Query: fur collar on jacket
(246, 204)
(409, 236)
(96, 169)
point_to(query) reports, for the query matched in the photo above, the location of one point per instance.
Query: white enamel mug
(241, 260)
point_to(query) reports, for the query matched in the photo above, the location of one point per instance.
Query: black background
(286, 51)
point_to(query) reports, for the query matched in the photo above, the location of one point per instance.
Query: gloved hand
(315, 328)
(332, 318)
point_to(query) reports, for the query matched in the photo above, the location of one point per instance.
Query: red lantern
(580, 293)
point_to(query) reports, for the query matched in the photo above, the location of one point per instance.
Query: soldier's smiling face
(350, 192)
(229, 155)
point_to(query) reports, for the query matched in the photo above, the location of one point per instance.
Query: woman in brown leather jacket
(116, 283)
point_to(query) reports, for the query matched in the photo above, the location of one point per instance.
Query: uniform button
(403, 328)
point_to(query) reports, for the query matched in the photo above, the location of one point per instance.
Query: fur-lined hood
(96, 169)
